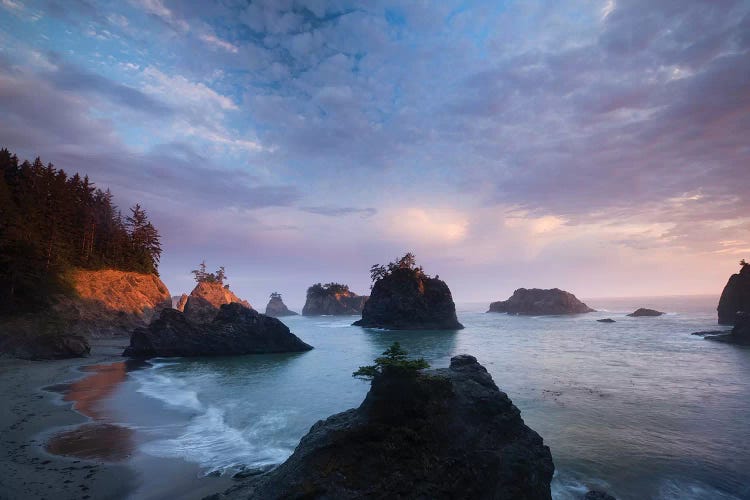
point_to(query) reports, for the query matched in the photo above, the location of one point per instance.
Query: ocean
(639, 408)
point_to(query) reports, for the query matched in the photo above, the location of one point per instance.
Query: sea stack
(445, 433)
(736, 296)
(235, 330)
(203, 303)
(644, 312)
(405, 298)
(540, 302)
(276, 307)
(332, 299)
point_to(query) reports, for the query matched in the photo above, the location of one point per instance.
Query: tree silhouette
(393, 361)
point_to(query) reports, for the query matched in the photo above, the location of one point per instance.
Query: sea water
(639, 408)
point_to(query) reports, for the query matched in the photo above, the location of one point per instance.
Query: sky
(599, 146)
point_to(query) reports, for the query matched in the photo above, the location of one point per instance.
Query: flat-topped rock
(235, 330)
(540, 302)
(605, 320)
(445, 433)
(644, 312)
(332, 299)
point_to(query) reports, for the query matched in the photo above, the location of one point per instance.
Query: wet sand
(29, 415)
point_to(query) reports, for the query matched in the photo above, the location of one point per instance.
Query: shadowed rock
(446, 433)
(598, 495)
(332, 300)
(605, 320)
(540, 302)
(277, 308)
(735, 297)
(43, 347)
(235, 330)
(641, 312)
(740, 333)
(408, 300)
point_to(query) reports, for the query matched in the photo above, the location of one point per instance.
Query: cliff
(539, 302)
(446, 433)
(735, 297)
(277, 308)
(109, 302)
(204, 301)
(406, 299)
(322, 301)
(236, 329)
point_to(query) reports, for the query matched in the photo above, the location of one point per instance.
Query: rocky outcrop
(406, 299)
(179, 302)
(605, 320)
(43, 347)
(446, 433)
(540, 302)
(641, 312)
(235, 330)
(332, 301)
(735, 297)
(110, 302)
(277, 308)
(203, 303)
(740, 333)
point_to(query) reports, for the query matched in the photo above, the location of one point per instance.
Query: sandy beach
(29, 415)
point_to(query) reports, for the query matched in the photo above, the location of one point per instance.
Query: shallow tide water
(639, 407)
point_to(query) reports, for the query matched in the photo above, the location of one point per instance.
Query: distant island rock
(203, 303)
(642, 311)
(277, 308)
(236, 329)
(404, 298)
(540, 302)
(605, 320)
(332, 299)
(179, 302)
(736, 296)
(446, 433)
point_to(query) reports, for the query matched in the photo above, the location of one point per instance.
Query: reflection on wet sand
(99, 439)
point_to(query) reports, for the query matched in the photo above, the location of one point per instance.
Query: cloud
(215, 41)
(158, 9)
(333, 211)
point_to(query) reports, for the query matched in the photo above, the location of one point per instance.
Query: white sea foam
(171, 391)
(677, 489)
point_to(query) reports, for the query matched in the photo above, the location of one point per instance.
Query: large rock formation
(539, 302)
(41, 336)
(447, 433)
(332, 299)
(235, 330)
(642, 311)
(110, 302)
(407, 299)
(735, 297)
(203, 303)
(277, 308)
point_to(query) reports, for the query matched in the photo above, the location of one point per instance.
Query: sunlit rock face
(110, 302)
(333, 302)
(540, 302)
(235, 330)
(735, 297)
(277, 308)
(446, 433)
(203, 303)
(408, 300)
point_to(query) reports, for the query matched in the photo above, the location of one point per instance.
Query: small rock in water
(645, 312)
(605, 320)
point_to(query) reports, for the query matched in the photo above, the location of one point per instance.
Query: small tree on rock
(393, 360)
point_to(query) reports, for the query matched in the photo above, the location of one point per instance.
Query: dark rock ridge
(598, 495)
(446, 433)
(44, 347)
(235, 330)
(333, 303)
(277, 308)
(740, 333)
(539, 302)
(605, 320)
(406, 299)
(645, 312)
(203, 303)
(735, 297)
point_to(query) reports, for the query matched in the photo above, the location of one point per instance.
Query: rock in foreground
(406, 299)
(277, 308)
(235, 330)
(540, 302)
(740, 334)
(735, 297)
(332, 299)
(203, 303)
(643, 312)
(44, 347)
(446, 433)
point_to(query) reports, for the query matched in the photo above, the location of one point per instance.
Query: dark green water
(638, 407)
